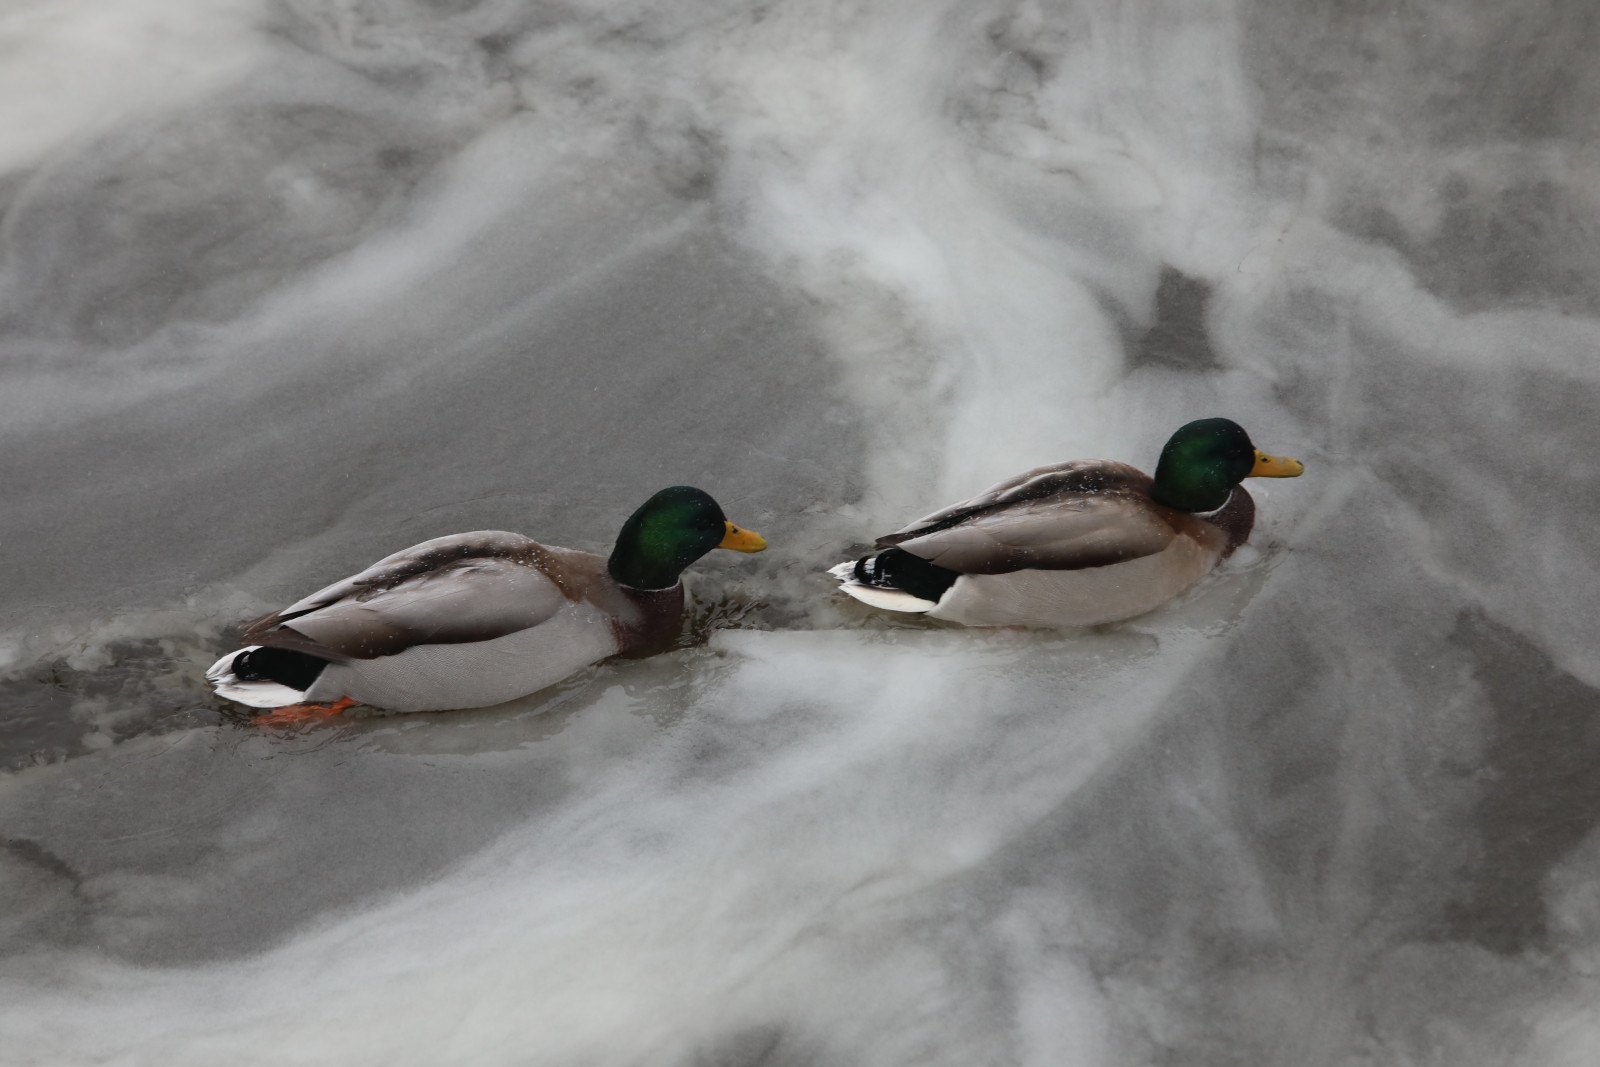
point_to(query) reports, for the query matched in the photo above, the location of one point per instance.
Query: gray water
(286, 286)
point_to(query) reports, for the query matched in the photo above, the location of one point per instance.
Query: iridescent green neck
(1201, 464)
(669, 531)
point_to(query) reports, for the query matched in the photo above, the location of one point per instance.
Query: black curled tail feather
(297, 670)
(895, 568)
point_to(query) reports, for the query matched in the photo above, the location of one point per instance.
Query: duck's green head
(670, 531)
(1205, 459)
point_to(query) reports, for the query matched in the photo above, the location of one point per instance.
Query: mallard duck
(474, 619)
(1075, 544)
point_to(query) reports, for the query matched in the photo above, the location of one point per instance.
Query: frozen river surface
(286, 286)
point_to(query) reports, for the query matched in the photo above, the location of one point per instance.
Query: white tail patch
(877, 596)
(255, 694)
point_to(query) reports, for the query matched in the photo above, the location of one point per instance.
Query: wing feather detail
(1068, 516)
(1054, 481)
(451, 590)
(1092, 531)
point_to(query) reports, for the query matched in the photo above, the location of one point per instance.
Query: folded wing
(1088, 513)
(1092, 531)
(466, 587)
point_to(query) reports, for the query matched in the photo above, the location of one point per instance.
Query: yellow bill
(742, 540)
(1276, 466)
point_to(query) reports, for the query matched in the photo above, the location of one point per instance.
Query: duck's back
(466, 621)
(1072, 544)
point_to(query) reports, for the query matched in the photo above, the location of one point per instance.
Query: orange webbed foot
(297, 713)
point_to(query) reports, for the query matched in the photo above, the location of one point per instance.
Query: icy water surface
(286, 286)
